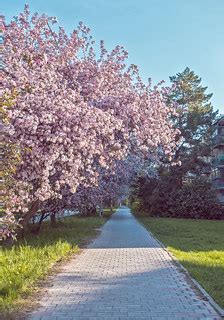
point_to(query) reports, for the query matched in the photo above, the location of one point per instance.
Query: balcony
(218, 140)
(218, 184)
(218, 161)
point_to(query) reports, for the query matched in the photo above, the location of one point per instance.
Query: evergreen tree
(195, 121)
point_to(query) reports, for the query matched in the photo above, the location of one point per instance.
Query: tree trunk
(92, 211)
(111, 206)
(38, 227)
(53, 220)
(8, 242)
(101, 209)
(33, 210)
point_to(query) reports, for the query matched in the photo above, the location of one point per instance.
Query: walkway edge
(196, 284)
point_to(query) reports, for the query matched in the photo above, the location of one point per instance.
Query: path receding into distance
(122, 275)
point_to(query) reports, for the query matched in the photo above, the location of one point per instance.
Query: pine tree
(161, 197)
(195, 121)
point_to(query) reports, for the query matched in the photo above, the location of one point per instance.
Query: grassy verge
(198, 245)
(31, 259)
(107, 212)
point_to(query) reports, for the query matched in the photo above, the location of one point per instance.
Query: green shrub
(165, 198)
(194, 200)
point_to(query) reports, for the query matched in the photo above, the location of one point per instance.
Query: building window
(221, 129)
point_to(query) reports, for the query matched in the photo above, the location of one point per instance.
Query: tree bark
(33, 210)
(53, 220)
(101, 209)
(111, 206)
(37, 229)
(93, 211)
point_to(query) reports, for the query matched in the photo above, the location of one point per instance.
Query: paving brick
(123, 274)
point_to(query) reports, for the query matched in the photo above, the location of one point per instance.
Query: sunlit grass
(30, 259)
(198, 245)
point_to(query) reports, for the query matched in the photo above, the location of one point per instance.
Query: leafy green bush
(165, 198)
(194, 200)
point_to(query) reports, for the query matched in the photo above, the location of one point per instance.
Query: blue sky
(161, 36)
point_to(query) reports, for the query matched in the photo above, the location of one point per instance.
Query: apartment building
(217, 172)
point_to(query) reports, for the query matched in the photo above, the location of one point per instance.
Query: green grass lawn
(198, 245)
(31, 259)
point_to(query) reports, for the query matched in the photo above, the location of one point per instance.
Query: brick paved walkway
(123, 275)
